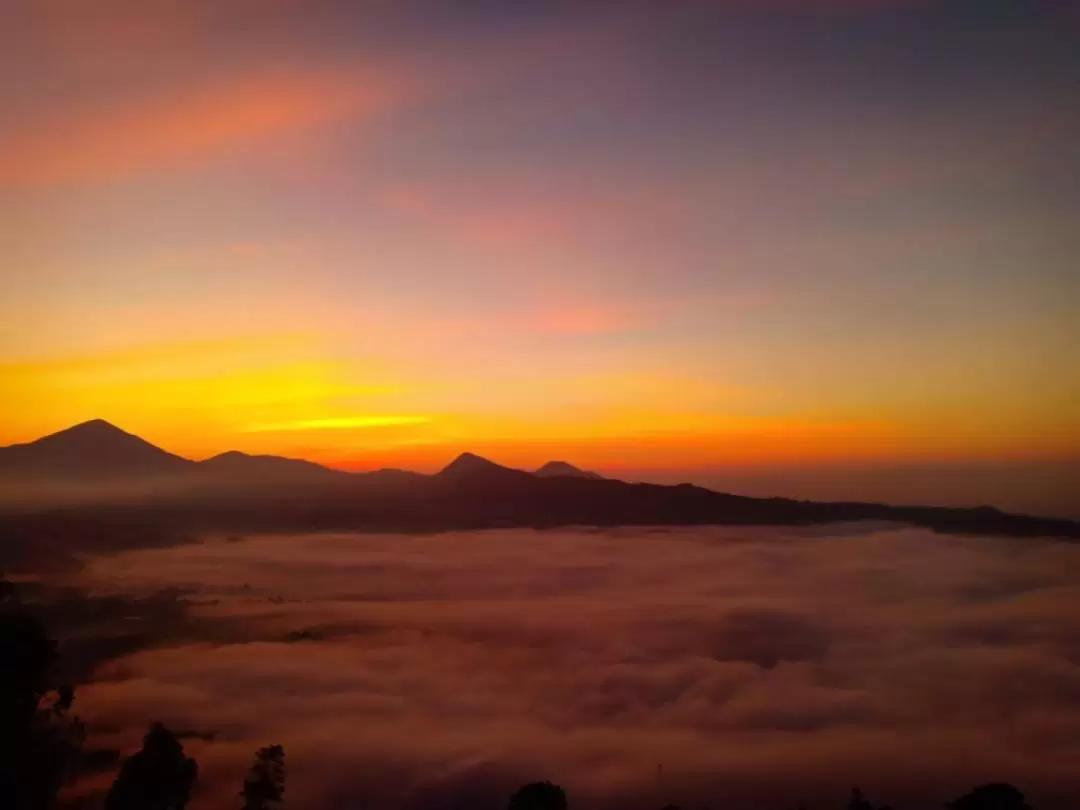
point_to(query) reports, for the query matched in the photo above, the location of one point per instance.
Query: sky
(676, 240)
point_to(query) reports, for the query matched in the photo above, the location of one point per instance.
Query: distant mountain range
(91, 450)
(560, 469)
(96, 468)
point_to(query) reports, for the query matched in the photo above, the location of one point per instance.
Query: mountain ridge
(95, 446)
(273, 493)
(554, 469)
(237, 460)
(471, 466)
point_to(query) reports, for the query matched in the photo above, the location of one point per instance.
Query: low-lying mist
(726, 667)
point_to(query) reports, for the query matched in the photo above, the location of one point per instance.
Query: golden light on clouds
(336, 423)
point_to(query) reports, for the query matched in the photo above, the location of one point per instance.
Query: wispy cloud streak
(337, 423)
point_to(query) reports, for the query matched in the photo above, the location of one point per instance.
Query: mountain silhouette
(271, 468)
(236, 491)
(95, 448)
(471, 467)
(562, 469)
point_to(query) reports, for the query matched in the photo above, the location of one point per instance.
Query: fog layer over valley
(758, 667)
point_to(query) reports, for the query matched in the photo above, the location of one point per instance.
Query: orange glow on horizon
(281, 395)
(290, 395)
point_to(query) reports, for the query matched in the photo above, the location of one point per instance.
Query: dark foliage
(24, 668)
(538, 796)
(157, 777)
(995, 796)
(858, 801)
(264, 787)
(39, 745)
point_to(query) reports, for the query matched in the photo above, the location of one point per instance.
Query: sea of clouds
(710, 667)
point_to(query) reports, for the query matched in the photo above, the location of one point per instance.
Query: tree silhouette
(858, 801)
(538, 796)
(38, 747)
(995, 796)
(264, 786)
(157, 777)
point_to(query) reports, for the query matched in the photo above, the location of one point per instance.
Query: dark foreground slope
(142, 495)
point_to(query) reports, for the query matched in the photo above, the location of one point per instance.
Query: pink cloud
(100, 143)
(588, 319)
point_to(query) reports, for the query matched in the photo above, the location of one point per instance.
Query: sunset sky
(671, 238)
